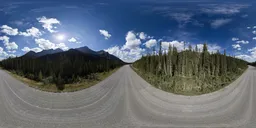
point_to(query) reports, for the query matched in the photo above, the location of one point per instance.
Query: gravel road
(125, 100)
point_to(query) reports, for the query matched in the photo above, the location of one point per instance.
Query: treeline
(253, 63)
(190, 71)
(60, 69)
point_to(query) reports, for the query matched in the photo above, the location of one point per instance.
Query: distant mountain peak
(76, 51)
(86, 50)
(33, 54)
(102, 51)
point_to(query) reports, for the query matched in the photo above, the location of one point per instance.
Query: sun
(60, 37)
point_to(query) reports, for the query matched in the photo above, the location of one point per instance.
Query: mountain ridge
(82, 50)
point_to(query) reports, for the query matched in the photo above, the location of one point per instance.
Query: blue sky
(128, 29)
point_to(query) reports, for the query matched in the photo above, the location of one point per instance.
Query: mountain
(32, 54)
(50, 51)
(82, 51)
(106, 54)
(70, 54)
(86, 50)
(63, 67)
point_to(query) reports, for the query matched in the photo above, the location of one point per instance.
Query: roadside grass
(80, 85)
(188, 86)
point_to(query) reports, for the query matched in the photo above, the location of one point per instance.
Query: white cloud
(10, 46)
(127, 55)
(254, 27)
(220, 22)
(142, 36)
(248, 27)
(73, 40)
(254, 32)
(246, 57)
(150, 43)
(236, 46)
(211, 47)
(242, 42)
(254, 38)
(130, 51)
(244, 16)
(251, 57)
(105, 34)
(48, 23)
(131, 41)
(31, 32)
(62, 46)
(5, 39)
(9, 30)
(27, 49)
(2, 53)
(235, 39)
(178, 44)
(45, 44)
(12, 55)
(226, 9)
(182, 17)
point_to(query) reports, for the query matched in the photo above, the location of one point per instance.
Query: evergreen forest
(61, 68)
(190, 71)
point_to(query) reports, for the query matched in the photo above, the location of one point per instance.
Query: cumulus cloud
(3, 54)
(178, 44)
(46, 44)
(142, 36)
(130, 51)
(235, 39)
(127, 55)
(27, 49)
(5, 39)
(236, 46)
(254, 32)
(132, 42)
(10, 46)
(242, 42)
(220, 22)
(12, 55)
(9, 30)
(251, 57)
(34, 32)
(248, 27)
(150, 43)
(61, 46)
(212, 48)
(248, 58)
(105, 34)
(254, 38)
(48, 23)
(73, 40)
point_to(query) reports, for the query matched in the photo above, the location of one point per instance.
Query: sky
(128, 29)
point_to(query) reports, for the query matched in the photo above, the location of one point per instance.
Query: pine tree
(170, 60)
(40, 76)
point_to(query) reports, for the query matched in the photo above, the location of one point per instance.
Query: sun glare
(60, 37)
